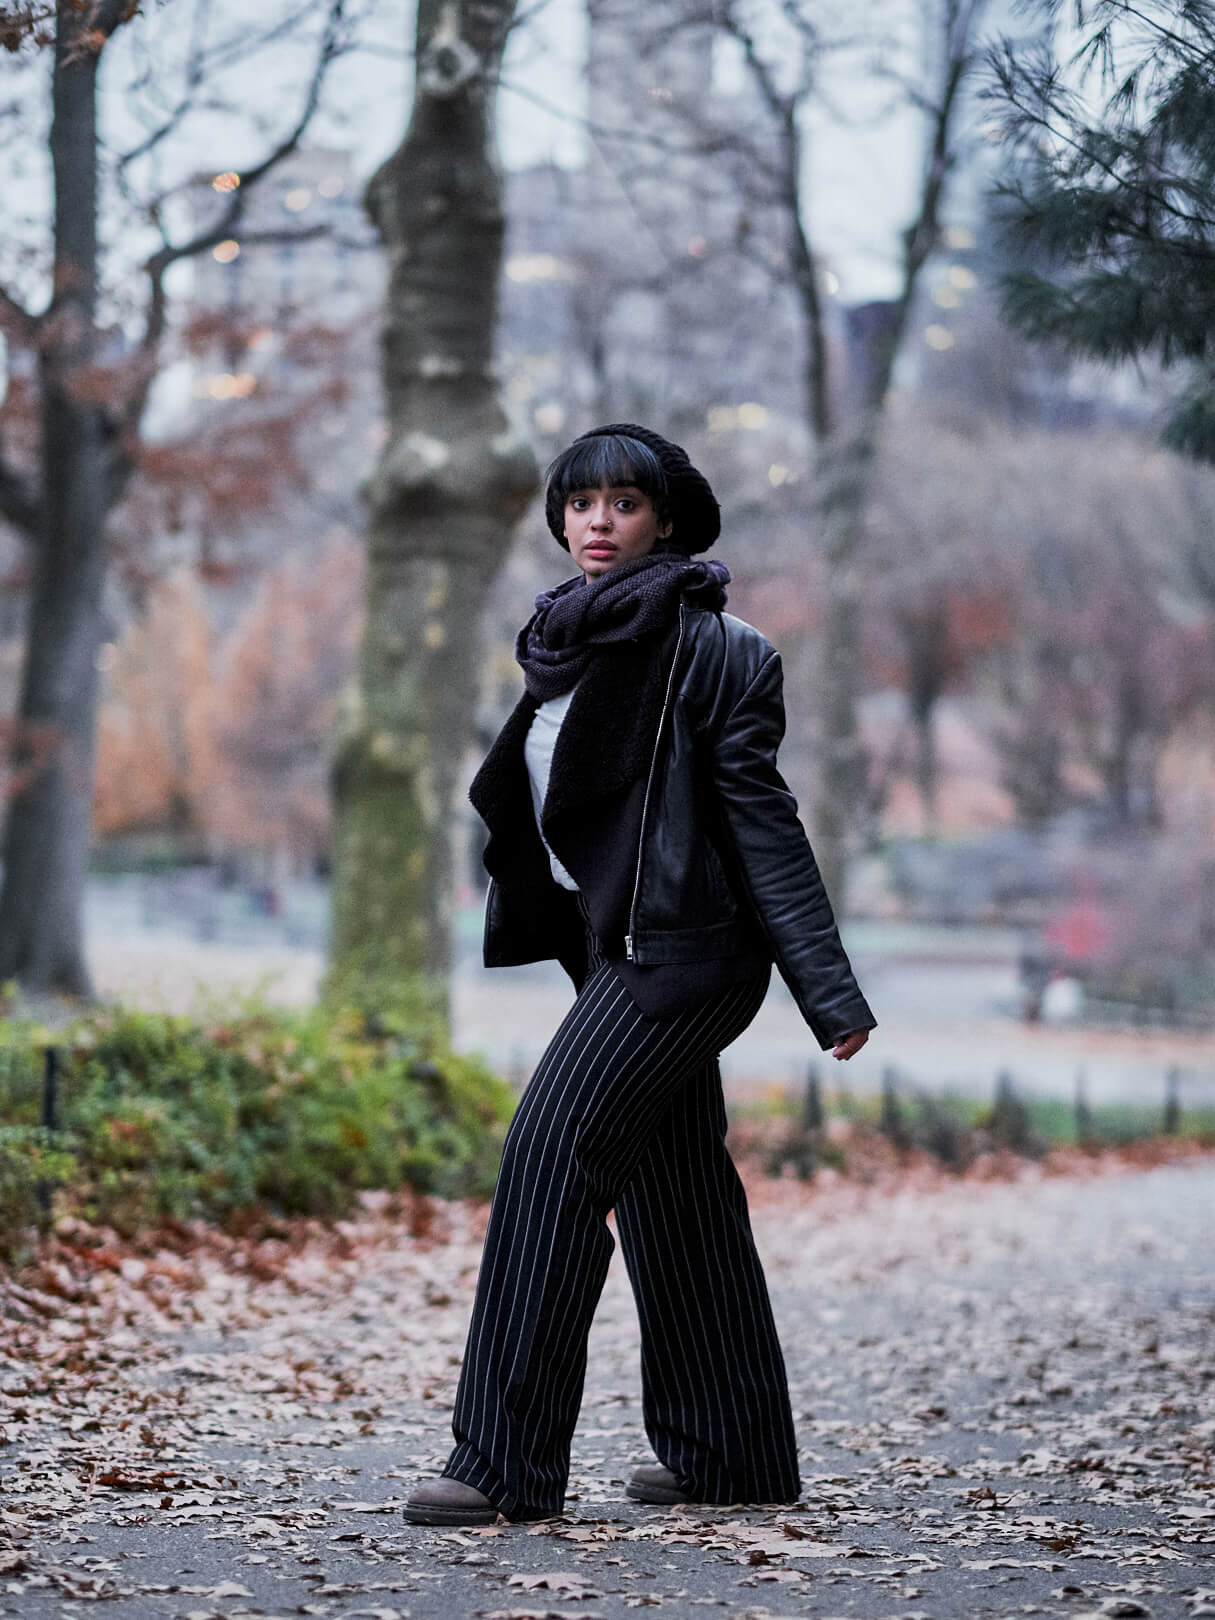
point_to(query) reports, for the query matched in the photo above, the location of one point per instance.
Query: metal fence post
(50, 1116)
(50, 1089)
(893, 1127)
(1172, 1102)
(812, 1108)
(1084, 1115)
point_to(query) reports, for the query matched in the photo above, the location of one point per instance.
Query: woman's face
(606, 527)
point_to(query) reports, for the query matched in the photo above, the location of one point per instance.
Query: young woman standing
(641, 833)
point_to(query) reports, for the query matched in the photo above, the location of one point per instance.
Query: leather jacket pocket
(725, 900)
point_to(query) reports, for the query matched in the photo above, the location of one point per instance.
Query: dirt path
(1005, 1397)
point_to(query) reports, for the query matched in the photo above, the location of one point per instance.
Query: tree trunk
(451, 483)
(925, 630)
(845, 474)
(90, 424)
(47, 833)
(927, 773)
(845, 470)
(1116, 763)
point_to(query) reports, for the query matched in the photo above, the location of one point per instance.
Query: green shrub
(296, 1112)
(21, 1063)
(32, 1164)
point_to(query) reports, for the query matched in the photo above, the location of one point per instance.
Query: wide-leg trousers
(625, 1112)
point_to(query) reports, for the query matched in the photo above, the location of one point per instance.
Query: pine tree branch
(1084, 144)
(1125, 9)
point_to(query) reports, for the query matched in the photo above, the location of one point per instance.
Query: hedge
(169, 1117)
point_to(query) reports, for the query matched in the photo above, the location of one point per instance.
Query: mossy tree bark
(450, 484)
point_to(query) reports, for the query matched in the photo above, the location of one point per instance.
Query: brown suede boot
(448, 1501)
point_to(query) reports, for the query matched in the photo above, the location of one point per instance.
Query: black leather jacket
(693, 864)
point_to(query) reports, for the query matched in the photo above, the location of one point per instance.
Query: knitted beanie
(694, 512)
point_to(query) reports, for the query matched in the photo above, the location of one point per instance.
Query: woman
(640, 833)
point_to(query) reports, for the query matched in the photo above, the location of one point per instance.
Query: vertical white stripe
(619, 1111)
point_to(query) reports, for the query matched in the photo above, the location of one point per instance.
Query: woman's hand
(850, 1045)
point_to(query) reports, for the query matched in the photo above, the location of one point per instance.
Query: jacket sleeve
(777, 865)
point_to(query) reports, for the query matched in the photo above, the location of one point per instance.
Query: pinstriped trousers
(625, 1112)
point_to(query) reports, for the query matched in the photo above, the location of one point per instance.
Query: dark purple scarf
(579, 618)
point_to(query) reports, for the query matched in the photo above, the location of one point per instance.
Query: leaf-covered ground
(1005, 1394)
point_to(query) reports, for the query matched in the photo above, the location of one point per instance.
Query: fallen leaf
(532, 1614)
(572, 1585)
(1009, 1563)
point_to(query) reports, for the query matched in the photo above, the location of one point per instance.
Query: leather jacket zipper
(645, 803)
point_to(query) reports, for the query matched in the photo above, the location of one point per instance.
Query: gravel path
(1005, 1396)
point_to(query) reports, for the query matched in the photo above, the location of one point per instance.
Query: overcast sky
(860, 179)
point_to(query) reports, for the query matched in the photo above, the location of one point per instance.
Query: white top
(538, 752)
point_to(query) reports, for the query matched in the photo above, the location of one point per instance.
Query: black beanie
(694, 513)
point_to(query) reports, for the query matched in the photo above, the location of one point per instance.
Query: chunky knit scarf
(580, 618)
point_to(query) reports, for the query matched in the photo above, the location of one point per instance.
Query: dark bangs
(607, 461)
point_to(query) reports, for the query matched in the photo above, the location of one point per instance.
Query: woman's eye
(627, 505)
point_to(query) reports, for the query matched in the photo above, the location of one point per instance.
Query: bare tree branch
(19, 498)
(779, 105)
(15, 318)
(195, 73)
(109, 15)
(19, 503)
(521, 19)
(227, 227)
(920, 239)
(19, 23)
(335, 42)
(615, 133)
(785, 110)
(203, 64)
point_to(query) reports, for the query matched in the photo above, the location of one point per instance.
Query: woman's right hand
(849, 1045)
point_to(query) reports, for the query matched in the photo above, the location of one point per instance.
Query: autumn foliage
(221, 736)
